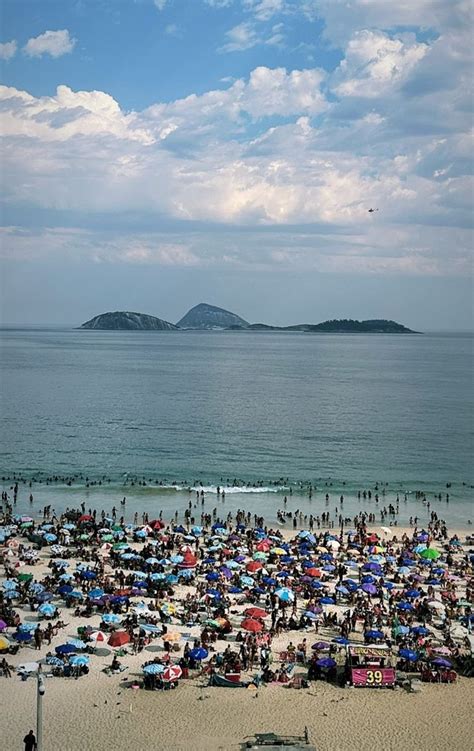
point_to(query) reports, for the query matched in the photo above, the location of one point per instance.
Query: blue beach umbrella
(47, 609)
(285, 595)
(153, 669)
(65, 589)
(77, 643)
(409, 654)
(326, 662)
(78, 660)
(97, 592)
(374, 634)
(404, 606)
(65, 649)
(111, 618)
(22, 636)
(199, 653)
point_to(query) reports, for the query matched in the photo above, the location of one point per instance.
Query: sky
(161, 153)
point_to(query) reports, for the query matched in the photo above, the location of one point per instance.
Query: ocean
(342, 412)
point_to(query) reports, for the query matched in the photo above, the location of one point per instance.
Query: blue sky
(172, 151)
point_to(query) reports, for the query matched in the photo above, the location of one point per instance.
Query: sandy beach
(101, 711)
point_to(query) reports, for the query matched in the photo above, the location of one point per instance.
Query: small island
(126, 321)
(204, 317)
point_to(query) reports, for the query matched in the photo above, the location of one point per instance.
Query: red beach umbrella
(256, 613)
(118, 639)
(171, 673)
(254, 566)
(249, 624)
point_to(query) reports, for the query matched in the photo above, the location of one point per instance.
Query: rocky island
(204, 316)
(126, 321)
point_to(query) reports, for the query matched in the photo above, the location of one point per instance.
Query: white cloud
(54, 43)
(263, 10)
(246, 35)
(242, 37)
(344, 17)
(8, 50)
(375, 63)
(160, 4)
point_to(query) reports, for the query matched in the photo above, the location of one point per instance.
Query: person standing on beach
(30, 742)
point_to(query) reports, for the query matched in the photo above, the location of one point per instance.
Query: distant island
(204, 317)
(125, 321)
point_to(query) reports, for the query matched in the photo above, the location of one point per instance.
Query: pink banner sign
(373, 677)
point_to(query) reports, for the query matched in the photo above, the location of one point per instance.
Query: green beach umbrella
(107, 538)
(25, 577)
(430, 554)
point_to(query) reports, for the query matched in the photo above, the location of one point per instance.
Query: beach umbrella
(4, 643)
(412, 593)
(254, 566)
(420, 630)
(77, 643)
(405, 606)
(172, 673)
(326, 662)
(321, 646)
(430, 554)
(10, 584)
(374, 634)
(341, 640)
(256, 613)
(436, 605)
(118, 639)
(97, 592)
(442, 662)
(401, 630)
(172, 636)
(371, 589)
(409, 654)
(285, 595)
(111, 618)
(249, 624)
(3, 625)
(28, 626)
(247, 581)
(47, 610)
(155, 668)
(326, 601)
(54, 661)
(150, 628)
(78, 660)
(65, 649)
(199, 653)
(22, 636)
(97, 636)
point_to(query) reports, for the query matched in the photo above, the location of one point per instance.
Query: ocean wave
(228, 489)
